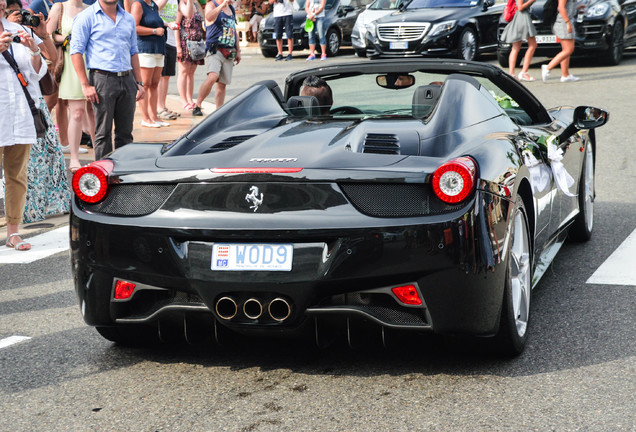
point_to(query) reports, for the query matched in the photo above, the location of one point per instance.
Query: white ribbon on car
(562, 178)
(539, 173)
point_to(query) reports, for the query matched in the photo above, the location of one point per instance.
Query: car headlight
(443, 27)
(597, 10)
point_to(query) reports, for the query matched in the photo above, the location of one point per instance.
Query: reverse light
(407, 294)
(258, 170)
(124, 290)
(90, 183)
(455, 180)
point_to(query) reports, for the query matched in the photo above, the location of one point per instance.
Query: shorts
(150, 60)
(170, 61)
(255, 21)
(283, 21)
(218, 64)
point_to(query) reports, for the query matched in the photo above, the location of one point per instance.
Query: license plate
(398, 45)
(546, 39)
(253, 257)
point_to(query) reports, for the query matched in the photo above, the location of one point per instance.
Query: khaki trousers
(15, 159)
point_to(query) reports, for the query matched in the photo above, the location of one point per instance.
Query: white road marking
(11, 340)
(42, 246)
(620, 267)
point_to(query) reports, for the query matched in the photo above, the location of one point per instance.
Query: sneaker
(311, 57)
(323, 56)
(279, 57)
(82, 150)
(289, 57)
(150, 124)
(66, 149)
(545, 73)
(197, 111)
(569, 78)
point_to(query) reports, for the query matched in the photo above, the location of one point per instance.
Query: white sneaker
(545, 73)
(150, 124)
(569, 78)
(82, 150)
(66, 149)
(162, 123)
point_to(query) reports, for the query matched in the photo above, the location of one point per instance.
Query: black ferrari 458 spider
(430, 197)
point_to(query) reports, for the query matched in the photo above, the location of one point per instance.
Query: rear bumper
(456, 265)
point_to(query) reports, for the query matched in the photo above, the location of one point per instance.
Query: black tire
(333, 42)
(267, 52)
(130, 335)
(515, 311)
(361, 53)
(467, 46)
(503, 56)
(581, 229)
(615, 52)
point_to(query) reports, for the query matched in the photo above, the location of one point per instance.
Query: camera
(28, 19)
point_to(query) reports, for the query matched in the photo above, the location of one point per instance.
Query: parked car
(604, 28)
(430, 197)
(436, 28)
(375, 10)
(340, 16)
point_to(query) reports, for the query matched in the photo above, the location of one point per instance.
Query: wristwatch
(154, 31)
(140, 83)
(36, 52)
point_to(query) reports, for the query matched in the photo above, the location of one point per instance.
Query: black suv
(603, 29)
(340, 16)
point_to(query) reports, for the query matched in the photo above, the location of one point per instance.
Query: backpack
(510, 10)
(550, 10)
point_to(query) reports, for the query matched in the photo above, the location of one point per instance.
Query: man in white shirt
(283, 17)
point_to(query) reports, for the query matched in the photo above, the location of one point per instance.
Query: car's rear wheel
(515, 311)
(267, 52)
(615, 53)
(333, 42)
(581, 229)
(130, 335)
(467, 48)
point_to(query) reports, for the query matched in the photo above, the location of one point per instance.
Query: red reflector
(124, 290)
(407, 294)
(263, 170)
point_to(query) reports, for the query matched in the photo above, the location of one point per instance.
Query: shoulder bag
(510, 10)
(39, 119)
(58, 67)
(196, 49)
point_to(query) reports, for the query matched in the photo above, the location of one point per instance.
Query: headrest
(303, 106)
(424, 99)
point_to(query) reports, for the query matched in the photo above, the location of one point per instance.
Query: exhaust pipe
(279, 309)
(226, 308)
(252, 308)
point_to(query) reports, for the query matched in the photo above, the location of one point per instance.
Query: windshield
(421, 4)
(385, 4)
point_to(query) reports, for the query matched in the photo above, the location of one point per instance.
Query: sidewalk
(177, 128)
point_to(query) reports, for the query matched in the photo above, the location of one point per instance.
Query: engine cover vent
(228, 143)
(381, 144)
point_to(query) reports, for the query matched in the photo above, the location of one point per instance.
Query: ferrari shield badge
(254, 198)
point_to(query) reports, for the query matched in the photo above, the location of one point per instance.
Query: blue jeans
(320, 27)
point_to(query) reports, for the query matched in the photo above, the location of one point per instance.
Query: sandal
(189, 106)
(165, 114)
(525, 76)
(20, 246)
(73, 168)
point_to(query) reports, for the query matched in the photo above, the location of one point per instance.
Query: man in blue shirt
(106, 34)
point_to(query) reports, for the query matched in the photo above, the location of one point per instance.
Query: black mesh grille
(381, 143)
(228, 143)
(131, 200)
(395, 200)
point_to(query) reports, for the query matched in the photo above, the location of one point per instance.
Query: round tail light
(90, 183)
(455, 180)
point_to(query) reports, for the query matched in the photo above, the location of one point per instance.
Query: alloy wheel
(520, 282)
(468, 45)
(589, 188)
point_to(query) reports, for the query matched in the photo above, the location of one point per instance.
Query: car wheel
(268, 52)
(615, 53)
(515, 311)
(467, 48)
(581, 229)
(333, 42)
(130, 335)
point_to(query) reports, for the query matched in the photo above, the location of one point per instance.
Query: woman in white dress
(518, 29)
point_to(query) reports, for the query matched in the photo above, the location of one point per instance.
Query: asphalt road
(577, 372)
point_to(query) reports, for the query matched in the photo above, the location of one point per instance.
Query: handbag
(510, 10)
(58, 67)
(196, 49)
(39, 119)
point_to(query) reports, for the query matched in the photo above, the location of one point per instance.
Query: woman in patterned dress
(190, 29)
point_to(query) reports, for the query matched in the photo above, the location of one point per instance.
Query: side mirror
(343, 10)
(488, 3)
(586, 117)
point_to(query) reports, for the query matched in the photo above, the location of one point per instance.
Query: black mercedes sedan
(604, 28)
(340, 17)
(436, 28)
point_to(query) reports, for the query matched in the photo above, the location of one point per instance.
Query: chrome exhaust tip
(279, 309)
(226, 308)
(252, 308)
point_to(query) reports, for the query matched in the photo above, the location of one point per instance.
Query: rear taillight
(455, 180)
(407, 294)
(90, 183)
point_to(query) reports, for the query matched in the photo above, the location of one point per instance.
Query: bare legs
(185, 82)
(206, 88)
(563, 58)
(77, 110)
(148, 105)
(514, 53)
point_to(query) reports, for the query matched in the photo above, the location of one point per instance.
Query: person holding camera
(17, 123)
(223, 51)
(283, 18)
